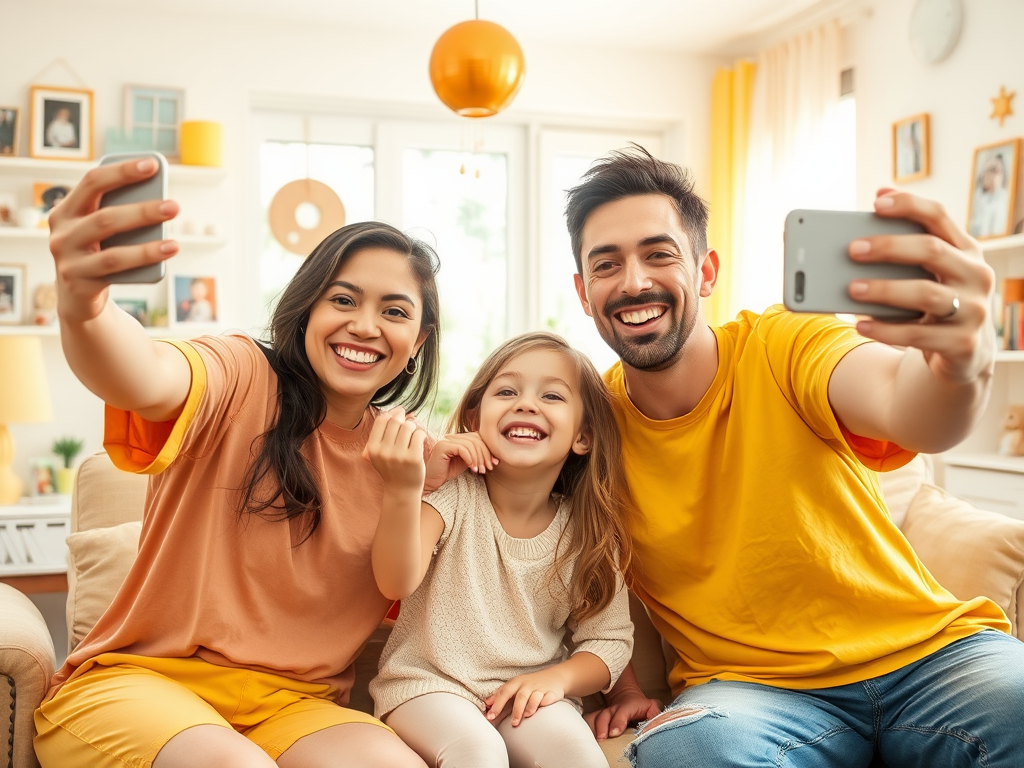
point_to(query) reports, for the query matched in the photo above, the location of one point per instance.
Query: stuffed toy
(1012, 441)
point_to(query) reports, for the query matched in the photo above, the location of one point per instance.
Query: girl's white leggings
(448, 731)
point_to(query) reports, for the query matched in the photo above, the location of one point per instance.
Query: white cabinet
(974, 470)
(199, 230)
(33, 538)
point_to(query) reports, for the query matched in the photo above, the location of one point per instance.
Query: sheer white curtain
(799, 154)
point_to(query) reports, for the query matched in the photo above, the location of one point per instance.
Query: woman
(232, 640)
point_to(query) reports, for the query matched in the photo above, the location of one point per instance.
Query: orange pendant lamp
(476, 68)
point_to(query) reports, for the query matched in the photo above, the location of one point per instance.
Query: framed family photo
(137, 308)
(194, 299)
(12, 294)
(61, 123)
(44, 476)
(993, 189)
(9, 125)
(911, 148)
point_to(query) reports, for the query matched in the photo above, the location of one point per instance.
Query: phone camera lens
(798, 294)
(800, 220)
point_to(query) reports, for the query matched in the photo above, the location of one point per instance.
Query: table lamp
(24, 399)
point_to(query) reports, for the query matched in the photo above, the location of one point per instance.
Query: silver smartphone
(819, 270)
(153, 188)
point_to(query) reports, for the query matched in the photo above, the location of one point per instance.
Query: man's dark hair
(635, 171)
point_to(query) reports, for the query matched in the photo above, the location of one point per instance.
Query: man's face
(640, 282)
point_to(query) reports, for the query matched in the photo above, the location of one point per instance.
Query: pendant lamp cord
(476, 3)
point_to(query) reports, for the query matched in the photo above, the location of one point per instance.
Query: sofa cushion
(105, 496)
(99, 562)
(970, 552)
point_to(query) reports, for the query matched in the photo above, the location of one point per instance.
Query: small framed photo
(61, 123)
(195, 299)
(137, 308)
(12, 294)
(152, 118)
(993, 189)
(911, 149)
(44, 476)
(46, 195)
(9, 125)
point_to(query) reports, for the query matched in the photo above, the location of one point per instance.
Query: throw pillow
(100, 559)
(970, 552)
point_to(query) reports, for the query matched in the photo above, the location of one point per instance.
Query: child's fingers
(519, 705)
(499, 698)
(535, 702)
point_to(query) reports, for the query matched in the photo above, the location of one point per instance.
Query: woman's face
(364, 328)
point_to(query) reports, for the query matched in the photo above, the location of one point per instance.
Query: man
(808, 632)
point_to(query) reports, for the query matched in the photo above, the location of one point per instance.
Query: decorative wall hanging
(476, 68)
(304, 212)
(1002, 105)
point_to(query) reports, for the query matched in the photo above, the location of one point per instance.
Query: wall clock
(935, 29)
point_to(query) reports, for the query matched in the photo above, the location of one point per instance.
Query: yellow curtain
(730, 127)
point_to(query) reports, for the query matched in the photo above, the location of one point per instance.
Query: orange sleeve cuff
(879, 455)
(146, 447)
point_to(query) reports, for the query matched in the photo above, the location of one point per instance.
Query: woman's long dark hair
(280, 484)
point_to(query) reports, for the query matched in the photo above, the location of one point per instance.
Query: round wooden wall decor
(320, 212)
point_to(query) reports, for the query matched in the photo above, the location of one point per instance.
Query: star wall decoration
(1002, 105)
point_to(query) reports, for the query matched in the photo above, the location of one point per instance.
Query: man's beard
(651, 351)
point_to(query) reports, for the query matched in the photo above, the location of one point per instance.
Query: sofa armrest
(26, 667)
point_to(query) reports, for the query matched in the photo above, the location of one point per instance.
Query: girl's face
(531, 414)
(363, 329)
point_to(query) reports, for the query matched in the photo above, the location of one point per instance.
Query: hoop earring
(411, 366)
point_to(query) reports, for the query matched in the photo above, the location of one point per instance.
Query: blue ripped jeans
(961, 706)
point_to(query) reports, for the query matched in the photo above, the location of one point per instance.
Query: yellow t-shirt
(766, 549)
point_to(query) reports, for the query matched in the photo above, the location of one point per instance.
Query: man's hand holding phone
(955, 334)
(81, 226)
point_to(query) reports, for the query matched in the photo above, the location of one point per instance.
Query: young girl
(526, 550)
(232, 640)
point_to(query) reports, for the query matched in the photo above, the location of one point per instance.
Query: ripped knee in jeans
(673, 717)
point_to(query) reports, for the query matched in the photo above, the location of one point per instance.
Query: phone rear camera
(798, 294)
(800, 220)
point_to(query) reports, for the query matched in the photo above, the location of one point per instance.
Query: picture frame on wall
(60, 123)
(10, 125)
(12, 294)
(993, 196)
(152, 118)
(195, 300)
(911, 148)
(46, 195)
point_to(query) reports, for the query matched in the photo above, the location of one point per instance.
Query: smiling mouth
(356, 355)
(635, 318)
(524, 433)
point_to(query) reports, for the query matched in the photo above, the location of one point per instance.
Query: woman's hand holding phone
(956, 334)
(79, 225)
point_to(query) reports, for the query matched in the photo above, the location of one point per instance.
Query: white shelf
(204, 242)
(29, 330)
(1007, 243)
(74, 169)
(993, 461)
(1010, 356)
(24, 233)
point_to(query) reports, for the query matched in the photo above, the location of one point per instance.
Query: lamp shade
(24, 394)
(476, 68)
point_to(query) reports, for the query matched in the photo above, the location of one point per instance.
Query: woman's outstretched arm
(106, 348)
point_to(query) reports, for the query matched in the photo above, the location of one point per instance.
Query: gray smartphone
(818, 268)
(153, 188)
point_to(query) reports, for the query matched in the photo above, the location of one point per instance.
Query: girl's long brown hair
(601, 508)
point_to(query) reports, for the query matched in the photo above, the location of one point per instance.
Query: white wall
(222, 63)
(892, 84)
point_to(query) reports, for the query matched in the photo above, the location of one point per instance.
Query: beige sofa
(969, 551)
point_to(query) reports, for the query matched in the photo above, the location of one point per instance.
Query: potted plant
(67, 448)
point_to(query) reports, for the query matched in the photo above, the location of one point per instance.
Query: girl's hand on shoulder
(525, 694)
(395, 449)
(454, 454)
